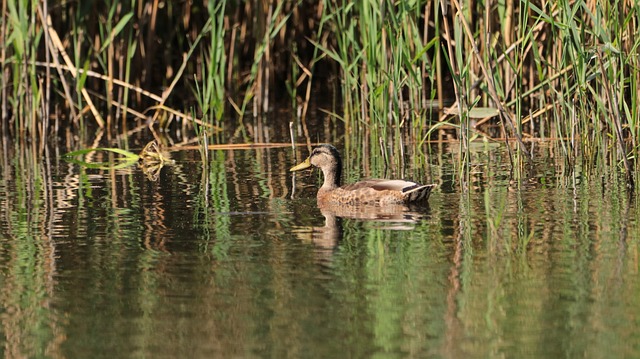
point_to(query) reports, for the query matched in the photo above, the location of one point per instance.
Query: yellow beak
(301, 166)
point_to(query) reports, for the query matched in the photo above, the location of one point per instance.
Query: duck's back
(377, 191)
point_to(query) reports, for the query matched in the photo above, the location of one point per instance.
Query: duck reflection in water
(392, 217)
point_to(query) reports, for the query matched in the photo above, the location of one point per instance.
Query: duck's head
(327, 158)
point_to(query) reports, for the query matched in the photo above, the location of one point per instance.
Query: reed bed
(406, 73)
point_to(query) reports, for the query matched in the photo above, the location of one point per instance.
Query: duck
(376, 191)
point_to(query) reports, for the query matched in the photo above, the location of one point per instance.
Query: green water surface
(221, 262)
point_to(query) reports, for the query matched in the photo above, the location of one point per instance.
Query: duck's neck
(332, 176)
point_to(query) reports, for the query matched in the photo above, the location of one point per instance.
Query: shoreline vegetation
(401, 72)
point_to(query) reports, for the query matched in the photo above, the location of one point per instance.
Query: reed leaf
(127, 158)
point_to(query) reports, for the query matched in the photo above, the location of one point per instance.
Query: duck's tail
(418, 193)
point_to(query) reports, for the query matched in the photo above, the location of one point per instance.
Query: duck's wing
(383, 185)
(409, 191)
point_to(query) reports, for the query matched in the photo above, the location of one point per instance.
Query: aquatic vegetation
(405, 74)
(151, 159)
(126, 158)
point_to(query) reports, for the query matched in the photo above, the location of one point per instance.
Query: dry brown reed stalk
(238, 146)
(59, 50)
(4, 71)
(51, 54)
(91, 73)
(183, 115)
(42, 9)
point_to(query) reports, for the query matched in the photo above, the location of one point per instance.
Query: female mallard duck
(370, 191)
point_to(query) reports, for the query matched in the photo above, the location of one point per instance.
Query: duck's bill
(301, 166)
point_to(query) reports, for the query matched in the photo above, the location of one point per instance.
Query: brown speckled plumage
(371, 191)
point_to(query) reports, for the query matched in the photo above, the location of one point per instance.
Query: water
(222, 262)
